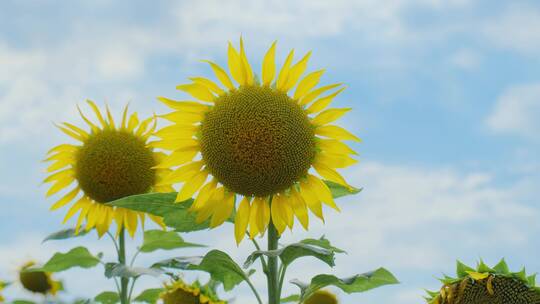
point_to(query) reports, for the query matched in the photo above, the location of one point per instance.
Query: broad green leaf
(119, 270)
(318, 248)
(22, 302)
(217, 263)
(65, 234)
(291, 298)
(76, 257)
(149, 296)
(175, 215)
(107, 297)
(339, 190)
(355, 284)
(159, 239)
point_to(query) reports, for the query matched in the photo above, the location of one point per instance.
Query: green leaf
(217, 263)
(149, 296)
(76, 257)
(339, 190)
(159, 239)
(22, 302)
(355, 284)
(120, 270)
(107, 297)
(318, 248)
(175, 215)
(291, 298)
(65, 234)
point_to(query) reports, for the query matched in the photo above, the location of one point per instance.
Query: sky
(445, 95)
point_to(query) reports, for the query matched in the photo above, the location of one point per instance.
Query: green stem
(122, 260)
(272, 276)
(263, 262)
(282, 271)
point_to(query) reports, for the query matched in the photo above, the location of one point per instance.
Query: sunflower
(322, 297)
(495, 285)
(110, 162)
(179, 292)
(2, 286)
(38, 281)
(258, 142)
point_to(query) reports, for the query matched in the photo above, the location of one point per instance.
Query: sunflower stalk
(273, 274)
(124, 282)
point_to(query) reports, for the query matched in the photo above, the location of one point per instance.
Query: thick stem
(122, 260)
(272, 276)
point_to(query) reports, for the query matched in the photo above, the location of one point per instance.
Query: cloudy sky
(446, 96)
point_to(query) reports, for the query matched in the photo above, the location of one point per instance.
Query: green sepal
(339, 190)
(502, 267)
(461, 269)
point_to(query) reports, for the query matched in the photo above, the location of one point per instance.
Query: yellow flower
(38, 281)
(2, 286)
(322, 297)
(258, 142)
(110, 162)
(182, 293)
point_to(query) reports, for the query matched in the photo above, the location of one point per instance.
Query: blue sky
(446, 96)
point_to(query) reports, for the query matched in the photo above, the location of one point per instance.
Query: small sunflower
(179, 292)
(111, 162)
(256, 141)
(322, 297)
(38, 281)
(2, 286)
(485, 285)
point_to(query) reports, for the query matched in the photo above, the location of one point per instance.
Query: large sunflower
(38, 281)
(110, 162)
(486, 285)
(179, 292)
(258, 142)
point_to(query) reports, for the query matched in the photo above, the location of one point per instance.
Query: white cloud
(466, 59)
(516, 111)
(517, 28)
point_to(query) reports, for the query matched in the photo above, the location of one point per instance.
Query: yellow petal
(263, 215)
(328, 116)
(131, 222)
(76, 129)
(65, 199)
(144, 125)
(330, 174)
(59, 175)
(158, 220)
(182, 117)
(197, 91)
(241, 220)
(210, 207)
(71, 134)
(63, 148)
(334, 146)
(185, 106)
(182, 174)
(133, 122)
(335, 132)
(312, 202)
(173, 144)
(124, 117)
(177, 131)
(192, 185)
(269, 65)
(178, 157)
(221, 75)
(299, 208)
(296, 72)
(60, 184)
(71, 212)
(82, 216)
(284, 72)
(97, 112)
(335, 160)
(223, 211)
(278, 216)
(307, 83)
(109, 116)
(235, 65)
(321, 103)
(477, 275)
(321, 190)
(204, 195)
(209, 84)
(59, 164)
(90, 124)
(253, 217)
(315, 93)
(248, 72)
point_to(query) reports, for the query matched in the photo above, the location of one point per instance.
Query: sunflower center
(180, 296)
(504, 290)
(35, 281)
(257, 141)
(113, 164)
(322, 297)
